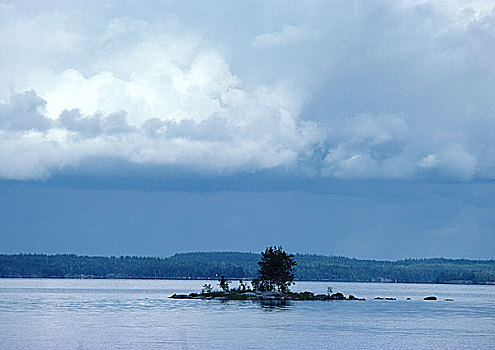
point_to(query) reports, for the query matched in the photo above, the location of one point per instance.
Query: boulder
(430, 298)
(337, 296)
(306, 296)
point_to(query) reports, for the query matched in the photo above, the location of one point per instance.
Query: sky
(355, 128)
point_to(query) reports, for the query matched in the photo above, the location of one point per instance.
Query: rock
(180, 296)
(306, 296)
(387, 298)
(448, 299)
(352, 297)
(408, 298)
(321, 297)
(430, 298)
(337, 296)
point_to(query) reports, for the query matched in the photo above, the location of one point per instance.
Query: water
(137, 314)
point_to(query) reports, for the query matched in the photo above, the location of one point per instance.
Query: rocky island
(263, 296)
(275, 275)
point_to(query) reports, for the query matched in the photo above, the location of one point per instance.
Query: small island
(275, 276)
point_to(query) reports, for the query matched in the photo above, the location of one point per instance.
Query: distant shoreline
(243, 266)
(243, 279)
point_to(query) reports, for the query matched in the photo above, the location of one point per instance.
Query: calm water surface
(137, 314)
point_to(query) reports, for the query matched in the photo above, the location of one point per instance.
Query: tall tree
(276, 270)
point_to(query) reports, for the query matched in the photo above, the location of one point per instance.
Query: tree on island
(276, 271)
(224, 284)
(207, 288)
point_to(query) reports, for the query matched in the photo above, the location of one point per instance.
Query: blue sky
(355, 128)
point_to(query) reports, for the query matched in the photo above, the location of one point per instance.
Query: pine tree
(276, 270)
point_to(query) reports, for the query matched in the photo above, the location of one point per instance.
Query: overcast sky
(359, 128)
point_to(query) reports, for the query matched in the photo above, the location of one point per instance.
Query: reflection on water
(136, 314)
(263, 304)
(271, 305)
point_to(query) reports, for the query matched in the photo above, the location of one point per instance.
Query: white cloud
(197, 115)
(28, 43)
(288, 35)
(250, 135)
(393, 90)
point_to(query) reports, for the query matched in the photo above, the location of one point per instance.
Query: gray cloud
(24, 112)
(94, 125)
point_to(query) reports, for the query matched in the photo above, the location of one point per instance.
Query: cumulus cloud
(370, 91)
(198, 116)
(250, 134)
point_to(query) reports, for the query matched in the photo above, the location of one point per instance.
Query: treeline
(244, 265)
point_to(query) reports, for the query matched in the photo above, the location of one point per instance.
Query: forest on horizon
(234, 265)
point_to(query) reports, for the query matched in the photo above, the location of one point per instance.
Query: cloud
(382, 90)
(288, 35)
(386, 146)
(94, 125)
(245, 134)
(368, 146)
(24, 111)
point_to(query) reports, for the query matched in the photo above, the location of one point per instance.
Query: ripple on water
(48, 314)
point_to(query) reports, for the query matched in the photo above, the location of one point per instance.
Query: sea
(138, 314)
